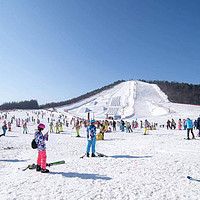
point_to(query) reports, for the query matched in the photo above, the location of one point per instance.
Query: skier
(41, 147)
(9, 126)
(168, 124)
(114, 125)
(189, 125)
(122, 125)
(4, 127)
(91, 137)
(77, 127)
(61, 127)
(198, 125)
(173, 124)
(179, 124)
(146, 125)
(102, 131)
(57, 127)
(51, 127)
(25, 130)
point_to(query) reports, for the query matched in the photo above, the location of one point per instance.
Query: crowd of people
(57, 122)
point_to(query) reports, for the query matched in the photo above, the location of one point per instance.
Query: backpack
(34, 144)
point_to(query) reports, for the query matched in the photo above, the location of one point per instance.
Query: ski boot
(93, 155)
(38, 168)
(44, 171)
(87, 154)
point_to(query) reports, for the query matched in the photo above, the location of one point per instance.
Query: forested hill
(179, 92)
(84, 96)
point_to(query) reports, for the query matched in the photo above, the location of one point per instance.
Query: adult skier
(198, 125)
(114, 125)
(189, 124)
(91, 137)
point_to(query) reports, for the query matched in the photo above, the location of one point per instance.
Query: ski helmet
(92, 121)
(41, 126)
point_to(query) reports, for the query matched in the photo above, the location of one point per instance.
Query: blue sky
(54, 50)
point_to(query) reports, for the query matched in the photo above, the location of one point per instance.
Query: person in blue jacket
(91, 137)
(189, 124)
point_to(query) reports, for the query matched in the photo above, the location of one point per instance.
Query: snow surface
(138, 166)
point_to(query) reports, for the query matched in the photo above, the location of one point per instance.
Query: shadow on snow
(82, 175)
(15, 160)
(127, 156)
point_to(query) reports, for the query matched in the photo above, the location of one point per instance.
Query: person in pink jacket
(41, 147)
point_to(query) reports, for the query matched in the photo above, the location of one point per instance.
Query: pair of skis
(33, 166)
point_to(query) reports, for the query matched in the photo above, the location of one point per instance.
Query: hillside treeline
(82, 97)
(180, 92)
(32, 104)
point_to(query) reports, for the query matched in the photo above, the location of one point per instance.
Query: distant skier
(189, 125)
(122, 125)
(77, 127)
(168, 124)
(179, 124)
(91, 136)
(4, 128)
(114, 125)
(146, 125)
(25, 129)
(41, 147)
(198, 125)
(9, 126)
(173, 124)
(51, 127)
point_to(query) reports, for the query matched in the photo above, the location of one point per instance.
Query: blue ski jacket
(189, 123)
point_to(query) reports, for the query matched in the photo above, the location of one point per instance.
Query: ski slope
(131, 100)
(138, 166)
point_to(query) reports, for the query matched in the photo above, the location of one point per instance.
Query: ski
(193, 179)
(56, 163)
(83, 156)
(100, 154)
(33, 166)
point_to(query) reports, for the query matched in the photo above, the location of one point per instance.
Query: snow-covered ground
(138, 166)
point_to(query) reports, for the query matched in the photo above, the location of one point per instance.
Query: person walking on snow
(189, 125)
(41, 147)
(91, 137)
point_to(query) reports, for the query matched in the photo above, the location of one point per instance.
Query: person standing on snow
(91, 137)
(114, 125)
(4, 127)
(189, 125)
(198, 125)
(41, 147)
(179, 124)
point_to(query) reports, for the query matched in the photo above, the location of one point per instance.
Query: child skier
(25, 129)
(41, 147)
(91, 136)
(77, 127)
(4, 127)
